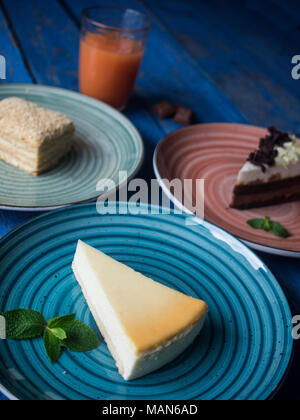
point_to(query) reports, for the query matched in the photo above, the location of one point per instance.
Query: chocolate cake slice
(271, 174)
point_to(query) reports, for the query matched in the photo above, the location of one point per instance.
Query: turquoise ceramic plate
(105, 144)
(246, 344)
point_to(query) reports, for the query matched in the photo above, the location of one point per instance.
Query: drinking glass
(112, 45)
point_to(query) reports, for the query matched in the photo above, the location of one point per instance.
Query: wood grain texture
(226, 63)
(49, 40)
(15, 68)
(246, 47)
(17, 72)
(168, 72)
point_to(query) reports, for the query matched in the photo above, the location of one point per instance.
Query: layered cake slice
(144, 323)
(32, 138)
(271, 174)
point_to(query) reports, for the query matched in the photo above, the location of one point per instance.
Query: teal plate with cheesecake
(105, 145)
(242, 353)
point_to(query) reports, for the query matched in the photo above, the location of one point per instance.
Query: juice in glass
(110, 56)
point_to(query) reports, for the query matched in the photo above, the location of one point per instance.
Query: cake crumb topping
(31, 124)
(267, 152)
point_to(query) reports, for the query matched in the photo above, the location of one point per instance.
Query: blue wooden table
(227, 60)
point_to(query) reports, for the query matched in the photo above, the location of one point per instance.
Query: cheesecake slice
(144, 323)
(32, 138)
(271, 174)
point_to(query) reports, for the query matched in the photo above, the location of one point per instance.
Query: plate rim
(95, 102)
(277, 387)
(253, 245)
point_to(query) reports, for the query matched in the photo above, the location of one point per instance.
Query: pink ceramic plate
(216, 153)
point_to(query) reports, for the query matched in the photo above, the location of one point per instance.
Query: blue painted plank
(53, 60)
(16, 72)
(286, 270)
(50, 41)
(40, 27)
(10, 219)
(246, 47)
(168, 72)
(15, 68)
(287, 10)
(48, 38)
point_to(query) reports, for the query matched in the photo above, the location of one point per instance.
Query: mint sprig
(52, 345)
(279, 230)
(23, 324)
(269, 225)
(79, 337)
(61, 321)
(59, 332)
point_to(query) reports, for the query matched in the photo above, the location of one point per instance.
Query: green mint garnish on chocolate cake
(271, 174)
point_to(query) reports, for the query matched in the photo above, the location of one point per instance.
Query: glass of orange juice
(112, 45)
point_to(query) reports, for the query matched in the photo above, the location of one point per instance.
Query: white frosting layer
(287, 165)
(289, 154)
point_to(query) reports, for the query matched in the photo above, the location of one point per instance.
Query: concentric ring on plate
(105, 144)
(244, 349)
(216, 152)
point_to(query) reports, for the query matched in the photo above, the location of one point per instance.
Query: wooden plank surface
(229, 61)
(48, 38)
(246, 47)
(168, 72)
(15, 68)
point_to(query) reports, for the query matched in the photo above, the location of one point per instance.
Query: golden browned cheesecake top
(25, 121)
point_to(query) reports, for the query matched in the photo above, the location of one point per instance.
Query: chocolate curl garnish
(266, 154)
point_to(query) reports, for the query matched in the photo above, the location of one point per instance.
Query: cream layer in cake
(287, 165)
(144, 323)
(32, 138)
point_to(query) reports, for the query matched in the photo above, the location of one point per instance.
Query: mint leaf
(80, 337)
(278, 230)
(268, 225)
(59, 333)
(23, 324)
(256, 223)
(61, 321)
(52, 345)
(63, 331)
